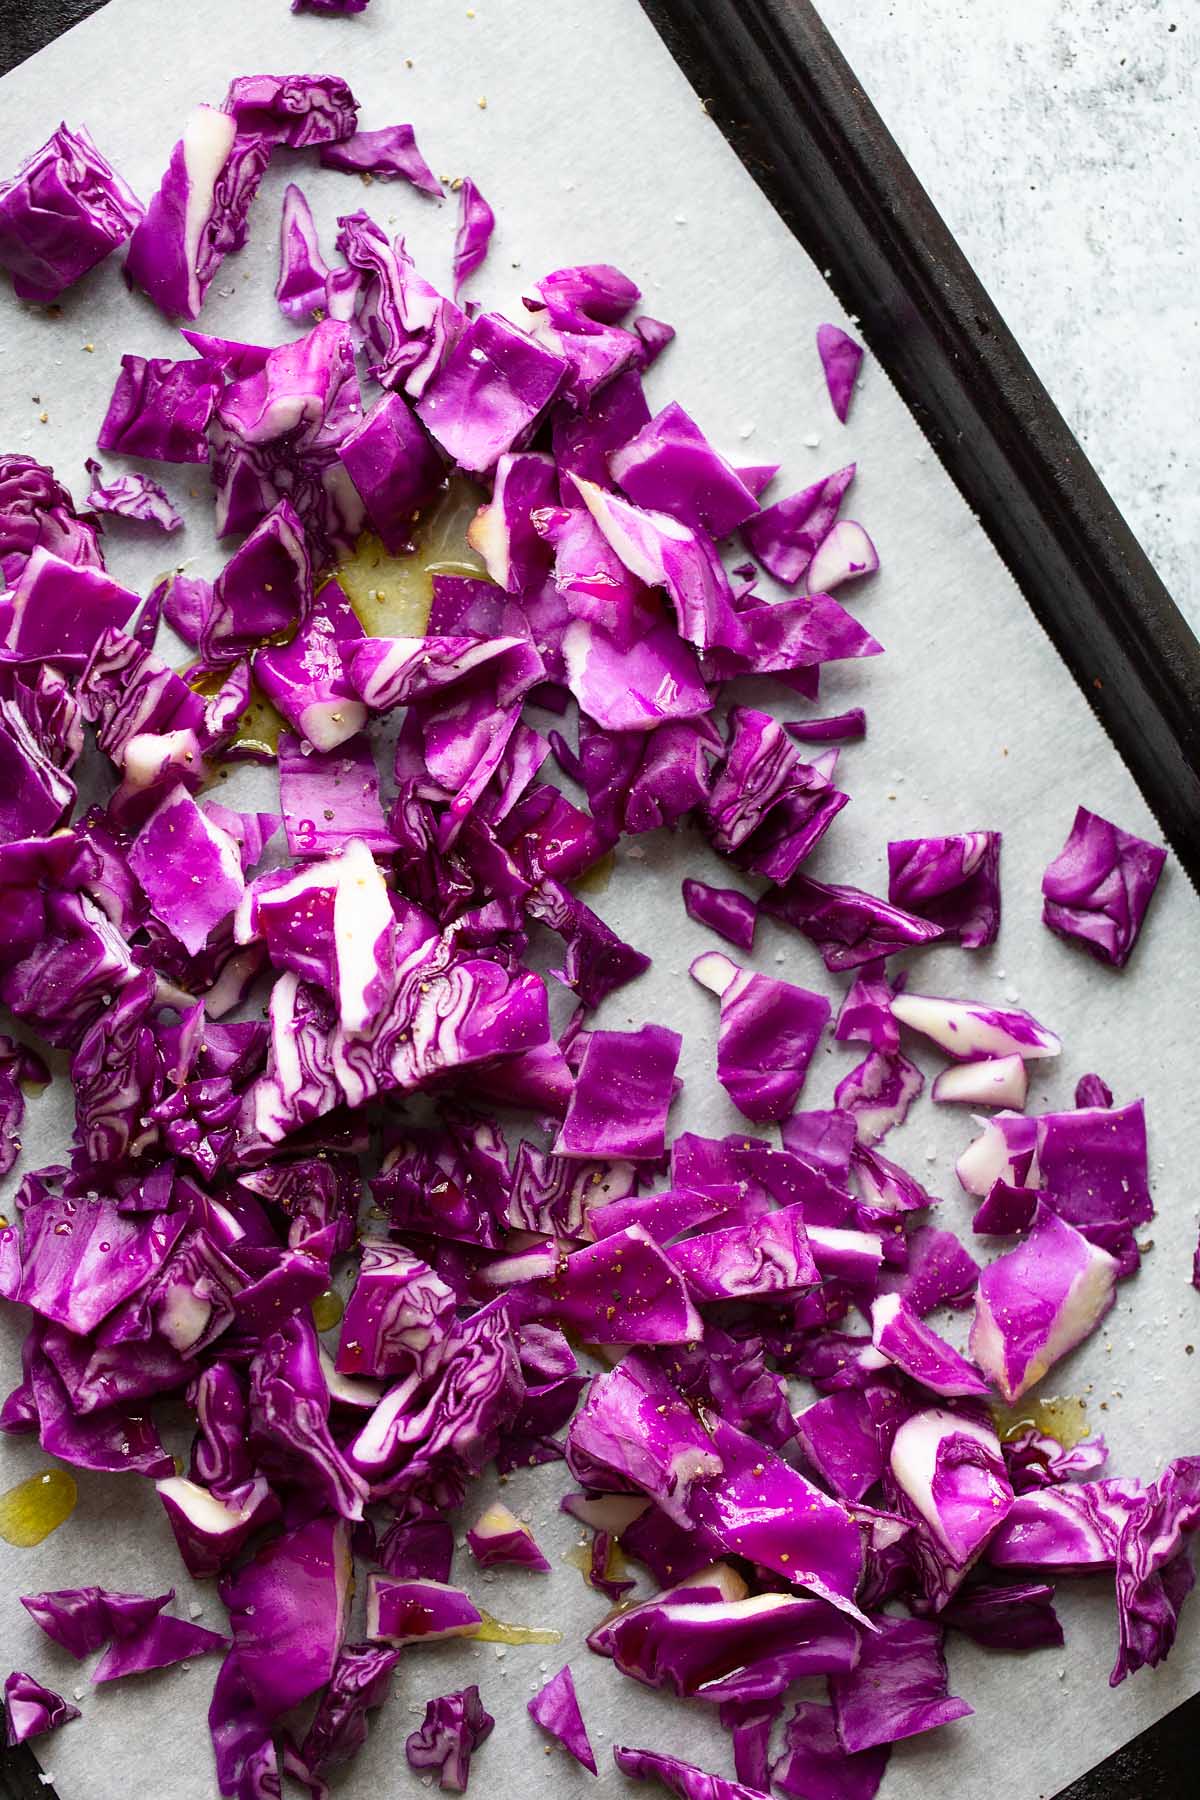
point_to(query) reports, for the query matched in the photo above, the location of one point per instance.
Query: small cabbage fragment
(476, 223)
(954, 881)
(498, 1536)
(948, 1475)
(967, 1029)
(724, 910)
(210, 1529)
(131, 496)
(1071, 1529)
(1091, 1164)
(845, 554)
(768, 1033)
(670, 464)
(841, 359)
(768, 1259)
(816, 1767)
(199, 213)
(985, 1081)
(303, 271)
(305, 679)
(683, 1779)
(33, 1709)
(786, 536)
(1039, 1301)
(1154, 1567)
(1098, 887)
(58, 611)
(493, 386)
(702, 1646)
(360, 1683)
(398, 1314)
(556, 1709)
(898, 1687)
(410, 1611)
(266, 587)
(84, 1619)
(387, 154)
(161, 409)
(623, 1091)
(189, 869)
(848, 926)
(900, 1334)
(879, 1093)
(63, 212)
(394, 467)
(159, 1644)
(288, 1609)
(453, 1728)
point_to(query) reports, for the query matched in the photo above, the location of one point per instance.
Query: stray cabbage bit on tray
(245, 1013)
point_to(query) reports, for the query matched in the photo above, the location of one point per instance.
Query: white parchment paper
(591, 146)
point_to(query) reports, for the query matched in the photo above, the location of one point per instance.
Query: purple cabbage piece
(294, 110)
(199, 213)
(305, 679)
(189, 869)
(722, 1650)
(388, 154)
(453, 1728)
(952, 881)
(290, 1403)
(1092, 1168)
(287, 1610)
(63, 212)
(34, 793)
(159, 1644)
(1154, 1567)
(360, 1683)
(948, 1476)
(498, 1536)
(838, 1437)
(681, 1778)
(1073, 1529)
(83, 1619)
(786, 536)
(623, 1090)
(866, 1013)
(59, 610)
(768, 1259)
(556, 1709)
(990, 1081)
(489, 392)
(330, 797)
(633, 689)
(210, 1529)
(276, 433)
(398, 1315)
(816, 1767)
(940, 1272)
(967, 1030)
(1006, 1615)
(768, 809)
(508, 531)
(414, 1611)
(750, 1724)
(303, 271)
(476, 222)
(580, 1291)
(640, 780)
(848, 926)
(132, 496)
(242, 1737)
(670, 465)
(841, 359)
(18, 1064)
(1037, 1461)
(897, 1689)
(597, 961)
(264, 588)
(1098, 887)
(1039, 1301)
(724, 910)
(80, 1258)
(768, 1033)
(36, 509)
(33, 1709)
(845, 554)
(161, 409)
(408, 326)
(879, 1093)
(900, 1335)
(394, 467)
(1092, 1090)
(836, 730)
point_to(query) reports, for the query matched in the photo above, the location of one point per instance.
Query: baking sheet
(592, 146)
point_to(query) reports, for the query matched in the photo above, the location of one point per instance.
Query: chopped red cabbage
(159, 1644)
(476, 223)
(453, 1728)
(787, 535)
(63, 212)
(953, 881)
(767, 1036)
(132, 496)
(848, 926)
(386, 154)
(498, 1536)
(731, 914)
(303, 271)
(556, 1709)
(1099, 885)
(33, 1709)
(161, 409)
(1037, 1302)
(682, 1778)
(841, 359)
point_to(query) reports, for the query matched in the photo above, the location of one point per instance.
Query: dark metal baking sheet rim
(774, 82)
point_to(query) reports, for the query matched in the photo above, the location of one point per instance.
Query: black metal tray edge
(773, 80)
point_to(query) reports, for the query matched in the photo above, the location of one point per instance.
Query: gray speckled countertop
(1060, 139)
